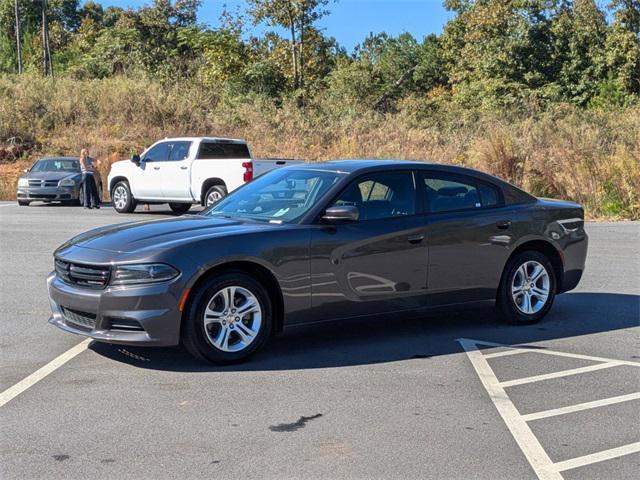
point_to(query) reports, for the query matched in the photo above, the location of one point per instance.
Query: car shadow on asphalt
(382, 340)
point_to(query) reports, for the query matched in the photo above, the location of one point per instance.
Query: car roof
(357, 165)
(58, 158)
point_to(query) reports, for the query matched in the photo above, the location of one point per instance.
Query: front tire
(180, 208)
(527, 289)
(123, 201)
(228, 318)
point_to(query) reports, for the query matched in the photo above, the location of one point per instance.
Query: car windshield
(278, 196)
(56, 165)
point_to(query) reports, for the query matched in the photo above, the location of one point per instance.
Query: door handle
(184, 167)
(414, 239)
(503, 224)
(156, 168)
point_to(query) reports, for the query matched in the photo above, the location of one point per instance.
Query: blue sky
(350, 21)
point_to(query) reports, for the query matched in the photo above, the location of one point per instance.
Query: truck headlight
(67, 182)
(23, 182)
(143, 273)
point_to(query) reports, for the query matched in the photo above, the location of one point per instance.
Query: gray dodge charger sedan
(319, 242)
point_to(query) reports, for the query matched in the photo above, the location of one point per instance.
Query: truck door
(176, 172)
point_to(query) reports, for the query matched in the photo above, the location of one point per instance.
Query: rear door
(468, 231)
(377, 264)
(176, 178)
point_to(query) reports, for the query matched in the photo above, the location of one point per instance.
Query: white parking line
(518, 424)
(580, 407)
(12, 392)
(598, 457)
(529, 444)
(563, 373)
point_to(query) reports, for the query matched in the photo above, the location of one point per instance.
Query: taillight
(248, 171)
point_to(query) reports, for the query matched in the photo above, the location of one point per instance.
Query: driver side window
(381, 195)
(158, 153)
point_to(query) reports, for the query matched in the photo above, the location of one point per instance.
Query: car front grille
(79, 319)
(92, 276)
(43, 183)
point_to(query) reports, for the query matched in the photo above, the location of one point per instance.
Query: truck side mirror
(136, 159)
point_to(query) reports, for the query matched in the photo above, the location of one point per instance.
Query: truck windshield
(281, 195)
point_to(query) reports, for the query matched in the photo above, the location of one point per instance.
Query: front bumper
(145, 315)
(48, 194)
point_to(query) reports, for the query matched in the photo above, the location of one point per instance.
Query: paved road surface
(395, 398)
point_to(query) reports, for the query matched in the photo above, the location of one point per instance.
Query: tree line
(491, 54)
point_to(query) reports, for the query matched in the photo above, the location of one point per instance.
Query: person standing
(90, 190)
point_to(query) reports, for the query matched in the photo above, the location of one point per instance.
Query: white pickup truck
(185, 171)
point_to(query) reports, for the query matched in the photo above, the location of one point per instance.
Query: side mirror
(341, 214)
(26, 170)
(136, 159)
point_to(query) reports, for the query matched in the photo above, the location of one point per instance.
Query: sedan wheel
(227, 318)
(530, 287)
(232, 319)
(527, 289)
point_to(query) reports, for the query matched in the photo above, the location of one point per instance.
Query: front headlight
(143, 273)
(23, 182)
(67, 182)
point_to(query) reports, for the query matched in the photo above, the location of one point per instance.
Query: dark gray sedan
(319, 242)
(53, 179)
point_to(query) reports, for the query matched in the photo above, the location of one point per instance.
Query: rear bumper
(48, 194)
(574, 259)
(141, 315)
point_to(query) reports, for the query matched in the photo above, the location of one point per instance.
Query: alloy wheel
(232, 319)
(213, 197)
(120, 197)
(530, 287)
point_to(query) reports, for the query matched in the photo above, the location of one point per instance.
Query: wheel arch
(547, 249)
(115, 180)
(253, 269)
(207, 184)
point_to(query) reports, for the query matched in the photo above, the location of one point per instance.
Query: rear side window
(447, 194)
(179, 151)
(220, 151)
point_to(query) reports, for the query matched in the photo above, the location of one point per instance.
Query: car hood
(50, 175)
(160, 234)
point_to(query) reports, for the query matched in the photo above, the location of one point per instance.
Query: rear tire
(180, 208)
(123, 201)
(527, 289)
(24, 203)
(210, 319)
(214, 194)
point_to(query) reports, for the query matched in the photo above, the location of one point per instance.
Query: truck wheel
(123, 201)
(180, 208)
(214, 194)
(24, 203)
(227, 318)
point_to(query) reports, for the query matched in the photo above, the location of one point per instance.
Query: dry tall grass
(592, 157)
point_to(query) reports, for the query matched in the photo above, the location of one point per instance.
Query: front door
(377, 264)
(147, 177)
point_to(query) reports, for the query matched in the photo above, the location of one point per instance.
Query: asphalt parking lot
(455, 395)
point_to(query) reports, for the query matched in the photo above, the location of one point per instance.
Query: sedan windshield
(278, 196)
(56, 165)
